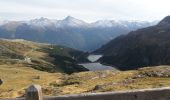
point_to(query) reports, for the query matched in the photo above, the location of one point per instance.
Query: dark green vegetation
(67, 58)
(145, 47)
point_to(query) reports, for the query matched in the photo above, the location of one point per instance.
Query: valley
(43, 67)
(84, 50)
(128, 62)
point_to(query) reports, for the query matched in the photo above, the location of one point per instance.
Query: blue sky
(88, 10)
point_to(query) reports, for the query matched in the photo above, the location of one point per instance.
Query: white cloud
(85, 9)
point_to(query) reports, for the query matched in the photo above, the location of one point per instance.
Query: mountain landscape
(23, 63)
(59, 71)
(69, 32)
(143, 53)
(144, 47)
(84, 50)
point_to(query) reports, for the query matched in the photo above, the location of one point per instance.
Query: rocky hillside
(145, 47)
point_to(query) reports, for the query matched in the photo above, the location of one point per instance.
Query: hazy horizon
(87, 10)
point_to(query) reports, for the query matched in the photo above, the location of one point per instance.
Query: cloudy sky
(88, 10)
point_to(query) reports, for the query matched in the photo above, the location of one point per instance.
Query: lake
(94, 58)
(96, 66)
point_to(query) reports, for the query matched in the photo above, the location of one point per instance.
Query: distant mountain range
(145, 47)
(70, 32)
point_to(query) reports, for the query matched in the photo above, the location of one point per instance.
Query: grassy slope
(18, 74)
(44, 57)
(17, 77)
(16, 51)
(102, 81)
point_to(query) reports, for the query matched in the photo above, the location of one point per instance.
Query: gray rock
(1, 81)
(98, 87)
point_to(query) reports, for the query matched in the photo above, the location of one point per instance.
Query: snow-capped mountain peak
(70, 21)
(41, 22)
(108, 23)
(121, 23)
(69, 32)
(69, 18)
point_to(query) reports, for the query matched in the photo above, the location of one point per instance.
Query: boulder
(98, 87)
(1, 82)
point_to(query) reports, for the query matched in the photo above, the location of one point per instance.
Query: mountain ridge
(70, 32)
(73, 19)
(144, 47)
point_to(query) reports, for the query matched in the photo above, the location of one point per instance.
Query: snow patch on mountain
(70, 21)
(122, 23)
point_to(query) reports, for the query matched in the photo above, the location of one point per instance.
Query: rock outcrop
(1, 81)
